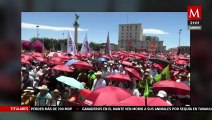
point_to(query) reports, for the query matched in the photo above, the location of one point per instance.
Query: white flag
(85, 46)
(71, 48)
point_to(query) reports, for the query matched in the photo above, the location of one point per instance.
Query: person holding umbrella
(99, 81)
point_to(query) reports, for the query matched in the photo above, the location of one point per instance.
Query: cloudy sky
(165, 25)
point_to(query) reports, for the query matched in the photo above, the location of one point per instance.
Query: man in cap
(43, 96)
(163, 95)
(99, 81)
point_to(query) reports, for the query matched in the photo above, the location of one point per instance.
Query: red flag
(130, 44)
(152, 45)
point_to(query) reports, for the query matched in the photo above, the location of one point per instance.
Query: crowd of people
(40, 88)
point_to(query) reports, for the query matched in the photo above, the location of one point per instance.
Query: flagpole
(145, 101)
(145, 95)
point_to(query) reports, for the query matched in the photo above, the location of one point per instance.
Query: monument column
(76, 25)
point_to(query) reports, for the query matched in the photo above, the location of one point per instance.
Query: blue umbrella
(70, 62)
(102, 59)
(70, 82)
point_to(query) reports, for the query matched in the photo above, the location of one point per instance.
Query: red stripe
(14, 108)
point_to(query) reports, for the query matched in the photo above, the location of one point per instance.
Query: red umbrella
(89, 55)
(41, 59)
(133, 72)
(183, 58)
(74, 57)
(55, 60)
(24, 61)
(105, 96)
(27, 57)
(82, 65)
(118, 77)
(171, 87)
(137, 57)
(62, 68)
(140, 101)
(64, 57)
(107, 57)
(182, 62)
(158, 66)
(36, 54)
(115, 56)
(126, 63)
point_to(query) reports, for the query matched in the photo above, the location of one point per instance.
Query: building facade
(184, 49)
(131, 38)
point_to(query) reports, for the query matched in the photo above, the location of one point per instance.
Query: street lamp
(37, 30)
(179, 36)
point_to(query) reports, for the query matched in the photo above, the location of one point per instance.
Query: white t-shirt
(98, 83)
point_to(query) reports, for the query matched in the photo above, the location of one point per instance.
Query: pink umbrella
(118, 77)
(107, 57)
(36, 54)
(126, 63)
(140, 101)
(182, 62)
(133, 72)
(82, 65)
(55, 60)
(158, 66)
(74, 57)
(27, 57)
(64, 57)
(24, 61)
(41, 59)
(62, 68)
(105, 96)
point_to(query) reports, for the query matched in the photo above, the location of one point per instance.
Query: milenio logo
(194, 17)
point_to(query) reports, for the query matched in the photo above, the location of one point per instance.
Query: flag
(108, 48)
(165, 73)
(85, 46)
(158, 77)
(146, 91)
(71, 48)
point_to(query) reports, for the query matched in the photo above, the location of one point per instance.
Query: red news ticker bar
(14, 108)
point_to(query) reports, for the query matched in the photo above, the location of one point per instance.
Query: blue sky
(165, 25)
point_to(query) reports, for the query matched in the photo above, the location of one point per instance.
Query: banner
(71, 48)
(85, 46)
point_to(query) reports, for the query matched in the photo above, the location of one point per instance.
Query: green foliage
(51, 43)
(95, 47)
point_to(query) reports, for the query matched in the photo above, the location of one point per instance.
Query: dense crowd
(40, 86)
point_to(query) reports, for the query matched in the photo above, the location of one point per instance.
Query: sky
(165, 25)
